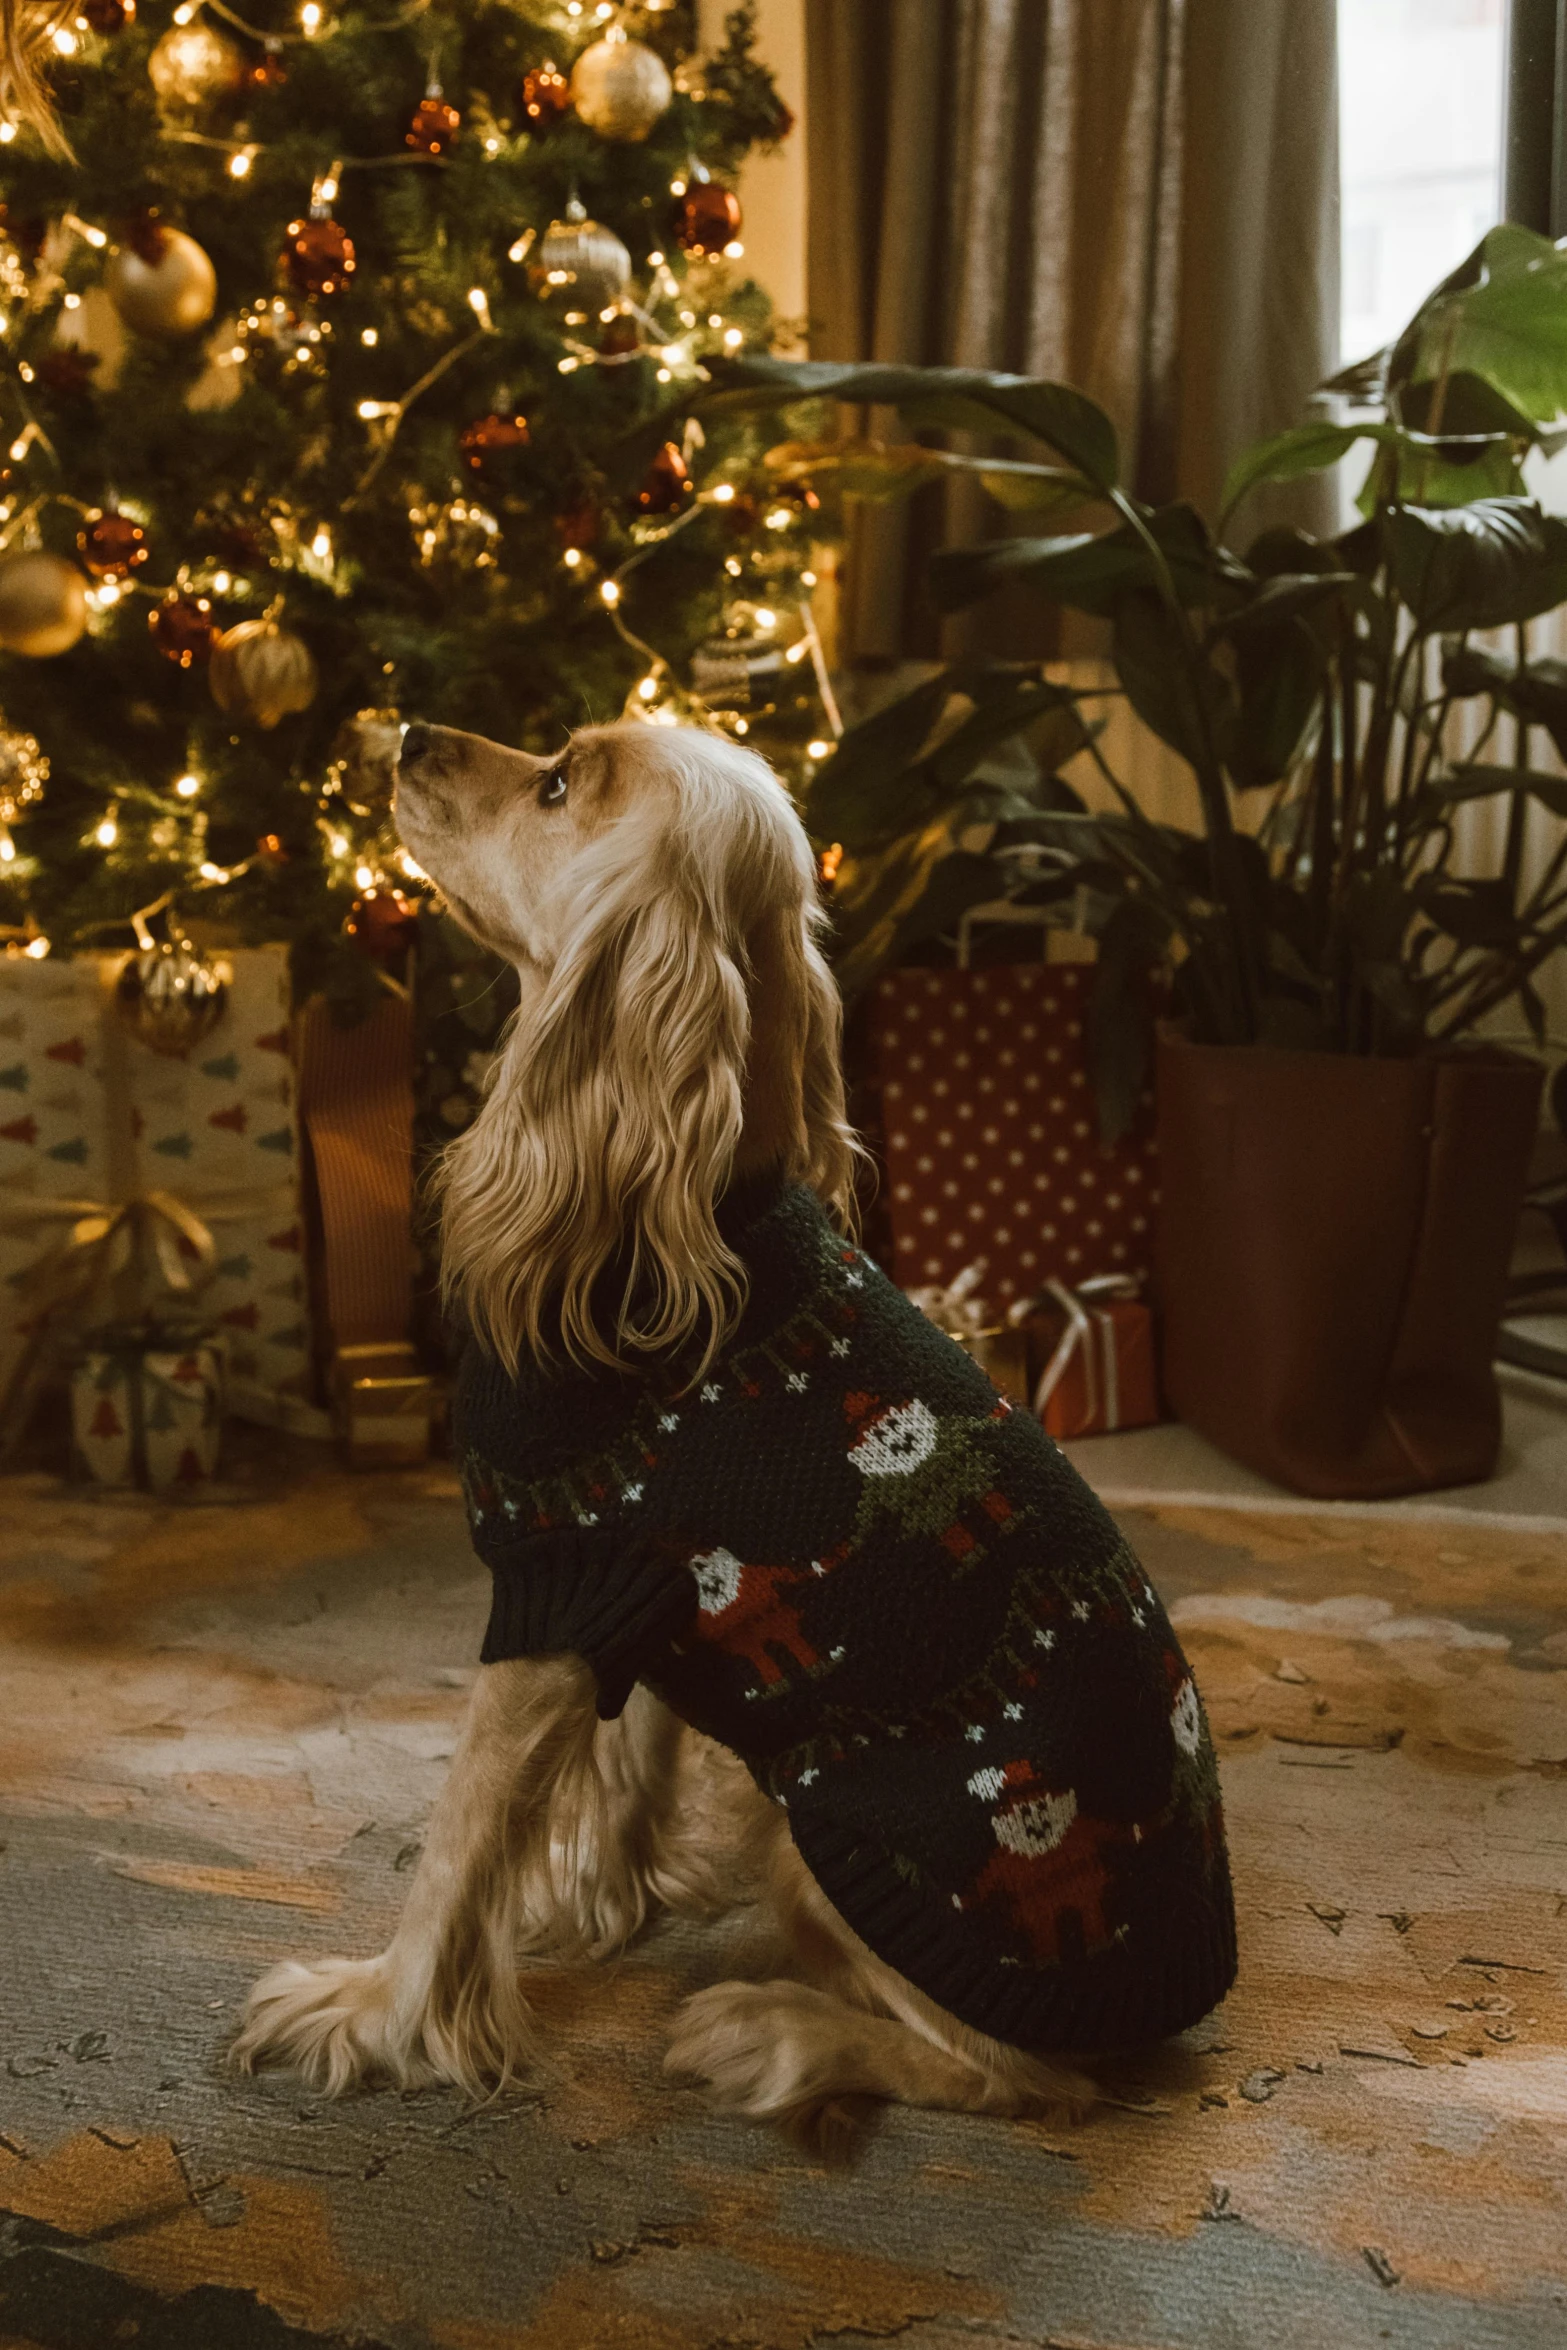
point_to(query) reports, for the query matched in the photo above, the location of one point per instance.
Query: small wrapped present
(999, 1347)
(1091, 1356)
(147, 1413)
(383, 1405)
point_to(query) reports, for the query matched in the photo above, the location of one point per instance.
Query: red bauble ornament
(106, 16)
(577, 525)
(491, 436)
(434, 126)
(112, 546)
(708, 218)
(546, 96)
(667, 484)
(183, 630)
(68, 373)
(269, 71)
(318, 257)
(383, 923)
(620, 337)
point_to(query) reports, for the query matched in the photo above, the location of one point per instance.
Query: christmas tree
(349, 363)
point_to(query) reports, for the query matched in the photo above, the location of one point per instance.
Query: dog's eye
(552, 787)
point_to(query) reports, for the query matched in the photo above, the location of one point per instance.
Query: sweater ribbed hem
(1117, 1999)
(594, 1592)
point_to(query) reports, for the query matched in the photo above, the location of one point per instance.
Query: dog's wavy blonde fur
(678, 1024)
(26, 30)
(579, 1206)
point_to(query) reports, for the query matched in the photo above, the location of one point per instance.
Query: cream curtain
(1136, 196)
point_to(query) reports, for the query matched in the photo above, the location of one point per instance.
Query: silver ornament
(582, 260)
(170, 996)
(620, 88)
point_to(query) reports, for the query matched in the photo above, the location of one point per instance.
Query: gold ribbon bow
(129, 1250)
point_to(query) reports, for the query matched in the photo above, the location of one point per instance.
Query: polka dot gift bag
(992, 1147)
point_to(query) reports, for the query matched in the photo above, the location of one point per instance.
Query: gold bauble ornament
(262, 672)
(582, 260)
(192, 67)
(170, 996)
(620, 88)
(163, 285)
(43, 605)
(23, 772)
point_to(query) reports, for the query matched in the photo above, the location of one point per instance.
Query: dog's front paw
(332, 2021)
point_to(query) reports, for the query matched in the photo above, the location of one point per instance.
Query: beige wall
(772, 187)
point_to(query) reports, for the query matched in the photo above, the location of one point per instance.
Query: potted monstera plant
(1344, 1149)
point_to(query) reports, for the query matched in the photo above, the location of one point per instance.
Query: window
(1420, 143)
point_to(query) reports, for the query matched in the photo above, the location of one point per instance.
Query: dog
(742, 1500)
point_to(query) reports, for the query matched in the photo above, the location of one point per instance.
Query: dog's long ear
(580, 1204)
(794, 1085)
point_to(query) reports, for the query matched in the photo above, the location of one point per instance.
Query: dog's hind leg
(442, 2001)
(808, 2054)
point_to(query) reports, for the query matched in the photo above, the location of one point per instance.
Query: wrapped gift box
(149, 1416)
(1091, 1358)
(992, 1150)
(88, 1114)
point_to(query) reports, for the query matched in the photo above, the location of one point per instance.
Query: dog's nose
(417, 739)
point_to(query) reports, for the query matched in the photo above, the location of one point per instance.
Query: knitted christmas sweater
(844, 1556)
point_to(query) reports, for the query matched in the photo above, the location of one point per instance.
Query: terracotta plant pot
(1334, 1240)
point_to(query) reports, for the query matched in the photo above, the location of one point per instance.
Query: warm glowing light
(655, 261)
(742, 726)
(187, 786)
(221, 583)
(321, 544)
(185, 11)
(73, 301)
(663, 375)
(568, 365)
(325, 191)
(240, 162)
(369, 337)
(18, 451)
(521, 249)
(211, 872)
(107, 831)
(797, 652)
(778, 518)
(723, 491)
(108, 594)
(572, 557)
(807, 579)
(7, 134)
(677, 187)
(648, 689)
(65, 42)
(478, 303)
(817, 750)
(338, 845)
(831, 860)
(414, 872)
(610, 592)
(371, 410)
(37, 948)
(733, 565)
(733, 338)
(734, 250)
(310, 19)
(363, 877)
(7, 847)
(765, 619)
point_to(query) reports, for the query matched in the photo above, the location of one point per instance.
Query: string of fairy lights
(769, 635)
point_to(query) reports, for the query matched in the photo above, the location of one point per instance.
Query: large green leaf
(1279, 674)
(1289, 455)
(1479, 566)
(864, 791)
(1500, 316)
(1091, 571)
(1186, 706)
(1535, 691)
(960, 398)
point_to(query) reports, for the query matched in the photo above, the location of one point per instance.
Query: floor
(220, 1730)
